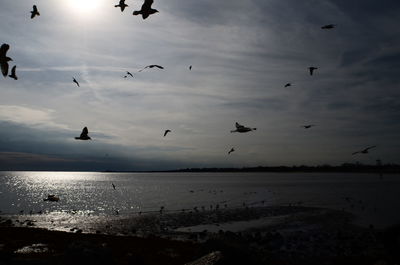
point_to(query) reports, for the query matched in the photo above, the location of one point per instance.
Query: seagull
(35, 12)
(122, 5)
(4, 59)
(76, 82)
(190, 68)
(166, 132)
(13, 75)
(329, 26)
(288, 84)
(84, 135)
(312, 68)
(242, 129)
(365, 151)
(129, 73)
(308, 126)
(232, 150)
(146, 9)
(113, 185)
(152, 66)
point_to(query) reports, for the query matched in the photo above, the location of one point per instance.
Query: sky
(243, 52)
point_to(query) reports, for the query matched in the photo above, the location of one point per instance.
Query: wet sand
(259, 235)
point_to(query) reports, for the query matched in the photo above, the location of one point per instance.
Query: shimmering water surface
(372, 199)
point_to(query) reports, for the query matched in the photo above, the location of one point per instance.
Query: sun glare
(84, 7)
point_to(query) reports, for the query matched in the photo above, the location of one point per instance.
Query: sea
(373, 199)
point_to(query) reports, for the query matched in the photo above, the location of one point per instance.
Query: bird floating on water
(84, 135)
(329, 26)
(13, 74)
(242, 129)
(34, 12)
(121, 5)
(152, 66)
(232, 150)
(4, 59)
(146, 9)
(364, 151)
(312, 68)
(76, 82)
(308, 126)
(166, 132)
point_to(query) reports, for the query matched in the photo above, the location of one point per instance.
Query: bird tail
(233, 131)
(77, 138)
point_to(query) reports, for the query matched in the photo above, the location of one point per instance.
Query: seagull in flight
(242, 129)
(146, 9)
(232, 150)
(152, 66)
(13, 75)
(121, 5)
(312, 68)
(84, 135)
(166, 132)
(35, 12)
(129, 73)
(288, 84)
(4, 59)
(76, 82)
(308, 126)
(364, 151)
(329, 26)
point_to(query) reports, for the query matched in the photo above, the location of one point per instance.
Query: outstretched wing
(370, 147)
(238, 126)
(4, 68)
(35, 9)
(147, 4)
(3, 49)
(85, 132)
(355, 153)
(159, 66)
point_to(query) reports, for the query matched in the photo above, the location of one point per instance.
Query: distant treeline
(346, 167)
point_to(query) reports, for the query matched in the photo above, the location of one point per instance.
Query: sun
(84, 7)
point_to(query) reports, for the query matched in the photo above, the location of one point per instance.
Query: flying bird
(312, 68)
(232, 150)
(146, 9)
(121, 5)
(288, 84)
(129, 73)
(364, 151)
(4, 59)
(308, 126)
(13, 75)
(329, 26)
(242, 129)
(76, 82)
(190, 68)
(84, 135)
(166, 132)
(35, 12)
(113, 185)
(152, 66)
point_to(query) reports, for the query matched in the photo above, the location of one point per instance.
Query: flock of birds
(146, 10)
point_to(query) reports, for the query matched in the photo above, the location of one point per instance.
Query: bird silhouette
(129, 73)
(84, 135)
(35, 12)
(152, 66)
(232, 150)
(364, 151)
(121, 5)
(76, 82)
(329, 26)
(312, 68)
(190, 68)
(308, 126)
(242, 129)
(288, 85)
(113, 185)
(13, 75)
(4, 59)
(146, 9)
(166, 132)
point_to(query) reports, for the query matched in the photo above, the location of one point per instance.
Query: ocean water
(373, 200)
